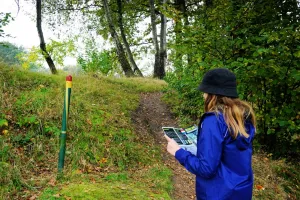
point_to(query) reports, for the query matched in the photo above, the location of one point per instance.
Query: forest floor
(149, 118)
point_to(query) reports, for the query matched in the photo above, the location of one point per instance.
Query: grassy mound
(155, 185)
(104, 157)
(100, 141)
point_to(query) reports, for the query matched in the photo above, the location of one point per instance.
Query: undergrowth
(101, 140)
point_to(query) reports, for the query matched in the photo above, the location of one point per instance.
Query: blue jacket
(223, 165)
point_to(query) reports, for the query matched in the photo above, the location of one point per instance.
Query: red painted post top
(69, 78)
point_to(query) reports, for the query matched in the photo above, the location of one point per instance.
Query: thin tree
(129, 53)
(160, 51)
(41, 36)
(120, 50)
(163, 44)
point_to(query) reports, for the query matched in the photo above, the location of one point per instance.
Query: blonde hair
(235, 112)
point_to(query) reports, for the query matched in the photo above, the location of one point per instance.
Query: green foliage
(9, 52)
(22, 139)
(14, 56)
(117, 177)
(5, 18)
(3, 122)
(58, 51)
(260, 43)
(95, 61)
(31, 59)
(10, 177)
(50, 194)
(160, 178)
(27, 121)
(51, 129)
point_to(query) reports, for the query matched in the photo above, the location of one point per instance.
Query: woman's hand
(172, 146)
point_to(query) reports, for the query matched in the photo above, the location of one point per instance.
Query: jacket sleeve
(209, 147)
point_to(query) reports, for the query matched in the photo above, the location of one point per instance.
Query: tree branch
(139, 44)
(79, 9)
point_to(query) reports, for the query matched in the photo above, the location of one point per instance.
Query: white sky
(22, 29)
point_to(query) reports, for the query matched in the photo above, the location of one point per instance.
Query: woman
(224, 145)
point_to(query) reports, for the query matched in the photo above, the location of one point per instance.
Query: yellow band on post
(68, 84)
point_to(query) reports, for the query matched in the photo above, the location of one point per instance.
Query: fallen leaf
(89, 121)
(57, 195)
(259, 187)
(52, 182)
(103, 160)
(98, 169)
(92, 180)
(122, 188)
(33, 197)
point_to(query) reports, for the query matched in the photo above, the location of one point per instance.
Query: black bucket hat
(219, 81)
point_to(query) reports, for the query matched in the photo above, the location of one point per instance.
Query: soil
(151, 116)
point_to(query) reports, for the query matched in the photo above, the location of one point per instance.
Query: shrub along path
(148, 119)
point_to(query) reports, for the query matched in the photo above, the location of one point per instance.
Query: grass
(121, 185)
(279, 179)
(104, 157)
(113, 186)
(267, 184)
(101, 139)
(103, 190)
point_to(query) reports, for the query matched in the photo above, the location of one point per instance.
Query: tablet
(177, 134)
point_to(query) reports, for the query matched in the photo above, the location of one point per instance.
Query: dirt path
(151, 115)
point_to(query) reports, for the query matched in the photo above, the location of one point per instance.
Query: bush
(262, 47)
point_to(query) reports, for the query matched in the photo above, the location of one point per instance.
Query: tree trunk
(120, 50)
(41, 36)
(129, 53)
(155, 42)
(180, 23)
(209, 3)
(163, 44)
